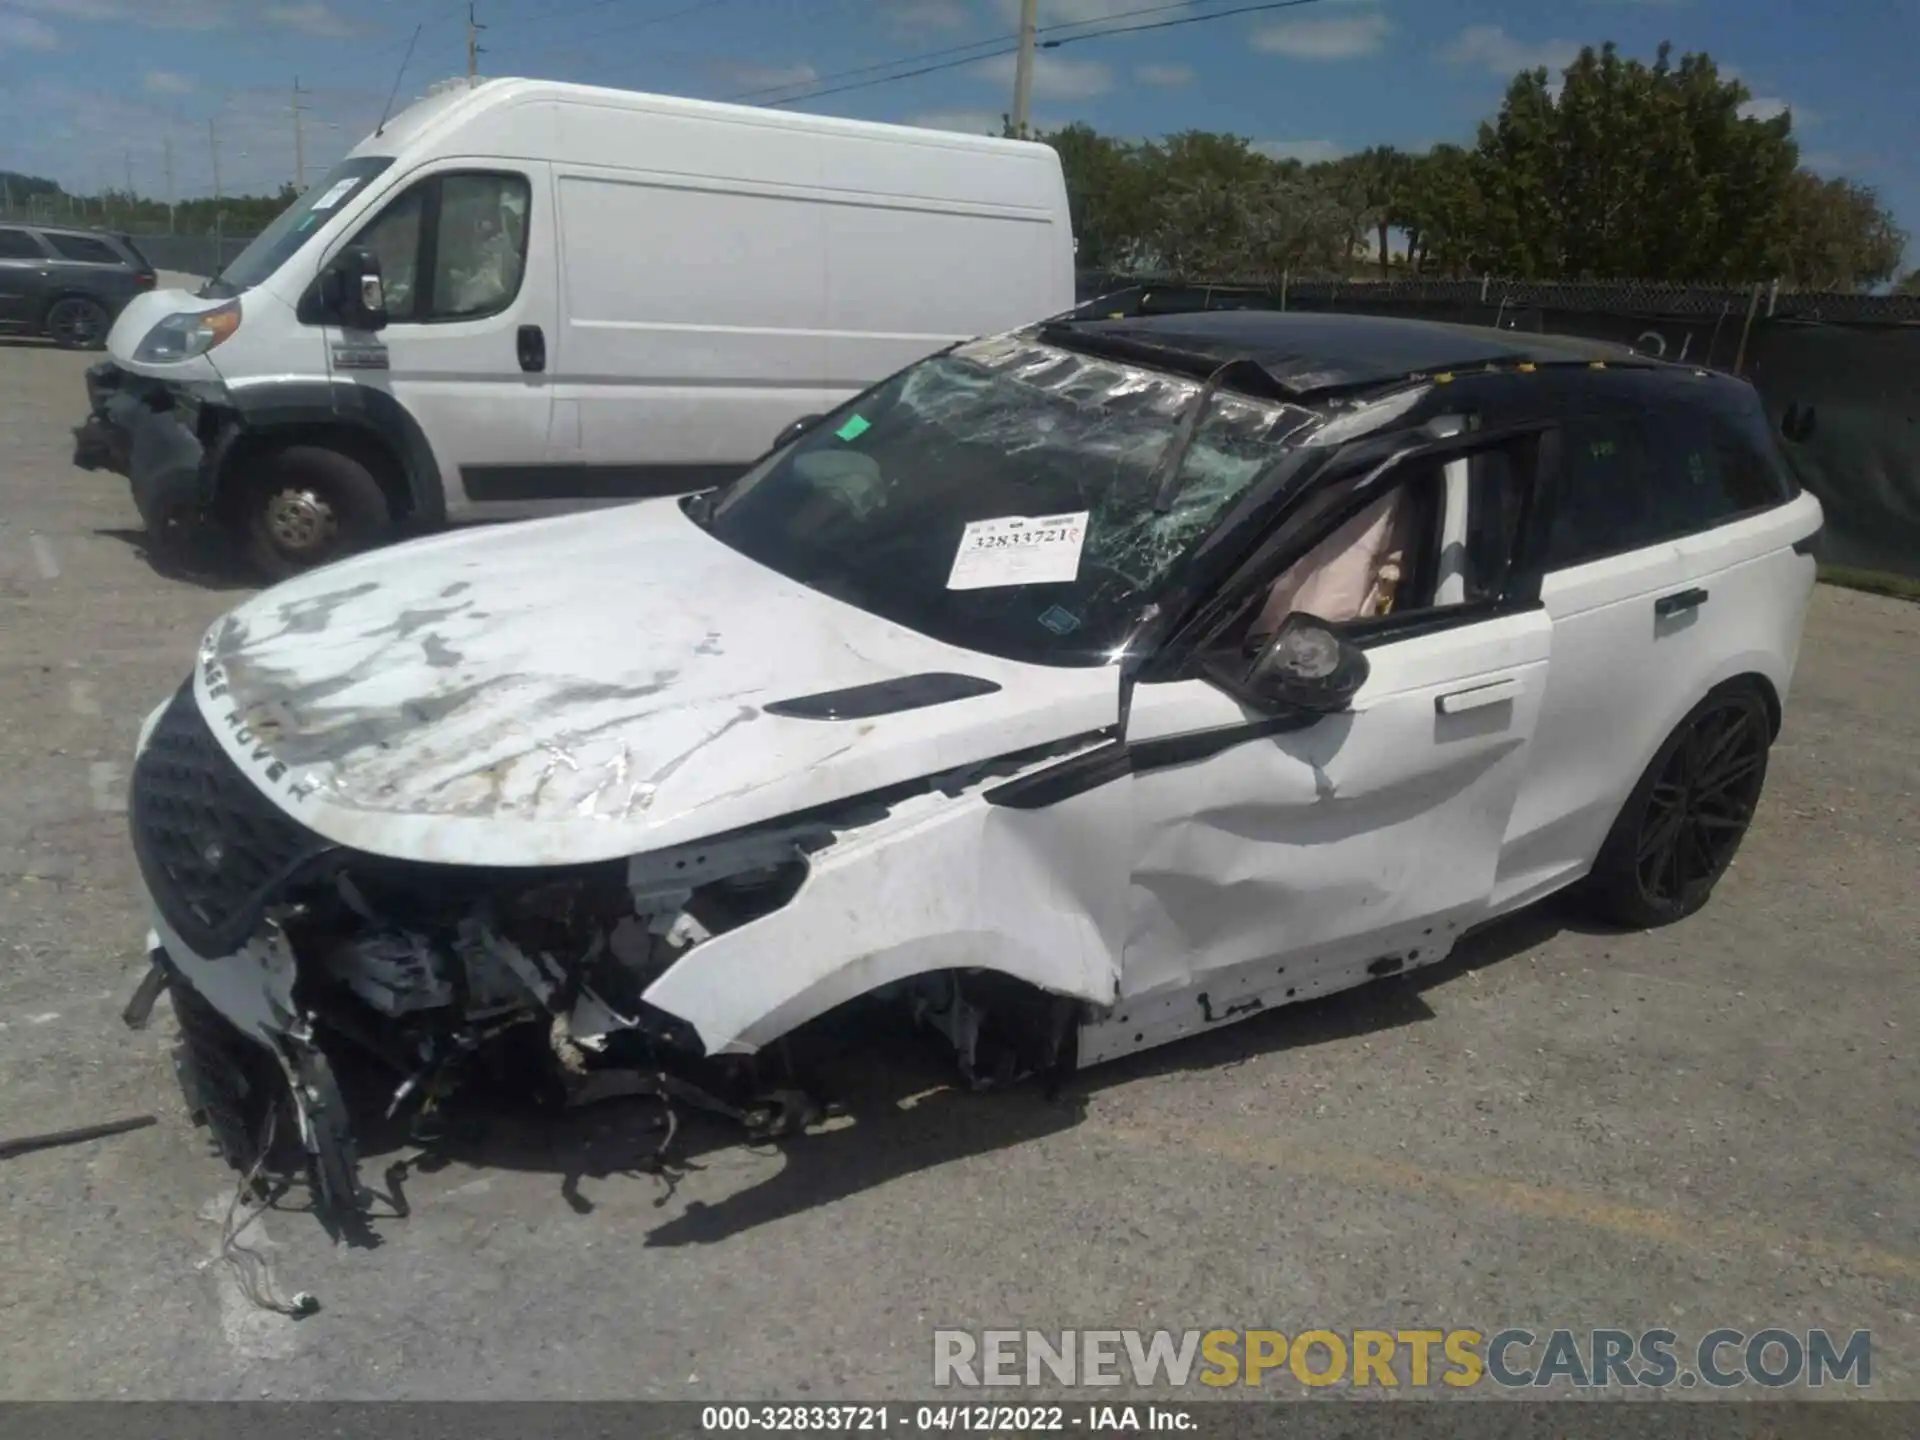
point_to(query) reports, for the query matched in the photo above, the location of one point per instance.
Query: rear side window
(1605, 501)
(19, 245)
(1703, 473)
(85, 248)
(1633, 480)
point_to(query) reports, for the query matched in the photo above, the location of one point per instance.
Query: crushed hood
(579, 689)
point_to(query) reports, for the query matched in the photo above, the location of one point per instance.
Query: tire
(77, 323)
(1684, 821)
(309, 505)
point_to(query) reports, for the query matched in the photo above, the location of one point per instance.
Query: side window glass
(85, 248)
(19, 245)
(481, 250)
(394, 238)
(1605, 501)
(1443, 537)
(1704, 474)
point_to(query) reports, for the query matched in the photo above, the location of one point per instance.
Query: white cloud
(169, 82)
(1163, 75)
(23, 32)
(967, 122)
(1309, 152)
(1054, 77)
(1491, 48)
(753, 77)
(312, 18)
(1337, 37)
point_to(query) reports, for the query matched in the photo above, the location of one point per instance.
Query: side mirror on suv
(1307, 666)
(352, 295)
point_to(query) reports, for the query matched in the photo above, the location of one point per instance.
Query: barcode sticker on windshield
(1019, 550)
(336, 194)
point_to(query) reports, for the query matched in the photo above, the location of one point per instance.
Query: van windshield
(294, 226)
(1002, 497)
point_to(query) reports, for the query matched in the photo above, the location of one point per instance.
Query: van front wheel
(309, 505)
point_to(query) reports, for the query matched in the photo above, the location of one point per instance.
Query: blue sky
(92, 88)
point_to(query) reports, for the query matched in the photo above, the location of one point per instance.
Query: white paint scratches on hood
(586, 688)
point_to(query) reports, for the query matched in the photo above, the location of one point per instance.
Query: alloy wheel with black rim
(1685, 820)
(77, 324)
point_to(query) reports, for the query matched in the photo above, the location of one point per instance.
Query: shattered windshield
(1002, 497)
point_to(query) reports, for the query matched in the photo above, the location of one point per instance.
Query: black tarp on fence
(1839, 373)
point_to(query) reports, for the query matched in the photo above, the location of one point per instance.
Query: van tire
(309, 505)
(1711, 770)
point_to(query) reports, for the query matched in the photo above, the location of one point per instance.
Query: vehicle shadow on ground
(26, 342)
(900, 1107)
(207, 560)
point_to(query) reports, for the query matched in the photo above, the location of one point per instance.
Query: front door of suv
(1274, 853)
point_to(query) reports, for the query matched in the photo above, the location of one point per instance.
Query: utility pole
(474, 27)
(169, 151)
(1023, 65)
(299, 143)
(213, 144)
(129, 155)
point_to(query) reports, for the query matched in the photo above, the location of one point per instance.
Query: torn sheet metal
(942, 883)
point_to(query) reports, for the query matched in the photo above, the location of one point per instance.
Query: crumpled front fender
(944, 882)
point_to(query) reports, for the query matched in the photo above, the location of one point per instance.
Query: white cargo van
(520, 296)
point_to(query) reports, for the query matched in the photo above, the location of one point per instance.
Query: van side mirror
(352, 294)
(1306, 666)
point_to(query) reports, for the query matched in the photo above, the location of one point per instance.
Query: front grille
(214, 851)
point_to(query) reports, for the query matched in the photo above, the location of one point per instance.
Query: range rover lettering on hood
(619, 681)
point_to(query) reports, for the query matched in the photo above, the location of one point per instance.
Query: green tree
(1632, 171)
(1444, 214)
(1386, 178)
(1836, 235)
(1107, 193)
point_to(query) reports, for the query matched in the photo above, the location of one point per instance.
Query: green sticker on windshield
(854, 428)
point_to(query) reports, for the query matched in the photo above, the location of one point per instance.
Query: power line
(573, 41)
(1047, 44)
(961, 49)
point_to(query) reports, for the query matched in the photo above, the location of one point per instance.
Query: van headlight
(183, 337)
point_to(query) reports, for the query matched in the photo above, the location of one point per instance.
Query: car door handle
(531, 343)
(1679, 603)
(1477, 697)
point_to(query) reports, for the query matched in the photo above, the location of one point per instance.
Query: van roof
(452, 101)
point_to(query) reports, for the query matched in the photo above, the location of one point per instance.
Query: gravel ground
(1710, 1125)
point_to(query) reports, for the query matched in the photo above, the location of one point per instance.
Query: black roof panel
(1305, 351)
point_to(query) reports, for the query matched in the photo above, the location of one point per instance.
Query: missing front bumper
(147, 431)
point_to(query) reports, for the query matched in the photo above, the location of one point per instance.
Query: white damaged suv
(1076, 689)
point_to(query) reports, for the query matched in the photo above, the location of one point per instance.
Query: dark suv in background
(67, 284)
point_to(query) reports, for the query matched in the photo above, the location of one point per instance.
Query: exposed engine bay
(379, 992)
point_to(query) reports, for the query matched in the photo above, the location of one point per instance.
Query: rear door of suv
(1670, 566)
